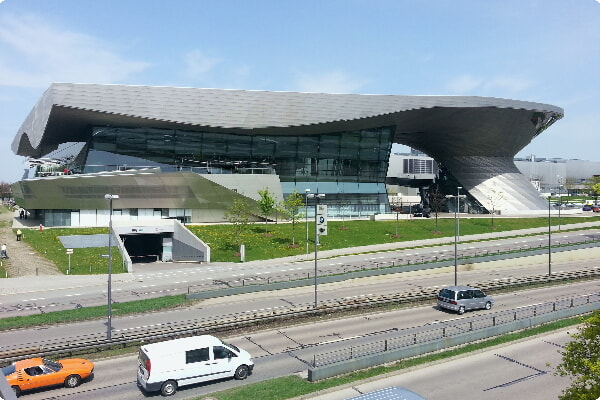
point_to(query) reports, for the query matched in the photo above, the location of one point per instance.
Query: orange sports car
(35, 373)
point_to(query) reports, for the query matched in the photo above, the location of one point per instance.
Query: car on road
(463, 298)
(34, 373)
(596, 208)
(586, 207)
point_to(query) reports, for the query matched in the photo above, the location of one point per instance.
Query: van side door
(224, 362)
(198, 366)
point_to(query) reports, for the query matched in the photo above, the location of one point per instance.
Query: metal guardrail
(444, 330)
(135, 336)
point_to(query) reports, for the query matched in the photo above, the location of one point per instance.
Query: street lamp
(456, 231)
(306, 192)
(549, 239)
(110, 198)
(316, 196)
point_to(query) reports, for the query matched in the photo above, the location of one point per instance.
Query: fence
(421, 340)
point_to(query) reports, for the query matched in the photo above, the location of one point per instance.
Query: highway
(149, 281)
(281, 351)
(287, 350)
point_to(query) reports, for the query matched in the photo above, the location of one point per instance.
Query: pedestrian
(3, 253)
(21, 214)
(19, 234)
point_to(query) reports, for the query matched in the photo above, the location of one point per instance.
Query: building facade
(188, 153)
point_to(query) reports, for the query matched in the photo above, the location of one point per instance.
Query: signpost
(69, 252)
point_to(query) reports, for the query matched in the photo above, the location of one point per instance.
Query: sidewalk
(23, 261)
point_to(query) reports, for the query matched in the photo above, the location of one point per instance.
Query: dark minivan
(463, 298)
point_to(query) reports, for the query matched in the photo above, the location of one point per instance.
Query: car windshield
(53, 365)
(9, 369)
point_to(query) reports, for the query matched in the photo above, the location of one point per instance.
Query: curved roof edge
(197, 108)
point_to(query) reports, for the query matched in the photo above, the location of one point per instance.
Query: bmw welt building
(188, 153)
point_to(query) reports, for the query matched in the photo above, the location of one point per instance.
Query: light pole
(458, 210)
(110, 198)
(456, 231)
(549, 240)
(316, 196)
(306, 192)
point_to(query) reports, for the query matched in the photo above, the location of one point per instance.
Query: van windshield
(232, 346)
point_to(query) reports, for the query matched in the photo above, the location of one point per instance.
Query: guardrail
(425, 339)
(135, 336)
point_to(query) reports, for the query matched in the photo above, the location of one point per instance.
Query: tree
(5, 190)
(396, 205)
(239, 216)
(266, 205)
(291, 207)
(593, 185)
(494, 197)
(581, 362)
(436, 200)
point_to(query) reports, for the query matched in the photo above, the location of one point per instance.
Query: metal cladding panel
(461, 132)
(231, 109)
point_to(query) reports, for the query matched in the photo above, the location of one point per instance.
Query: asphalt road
(156, 280)
(287, 350)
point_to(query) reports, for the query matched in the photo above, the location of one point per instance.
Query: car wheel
(168, 388)
(241, 372)
(461, 310)
(72, 381)
(17, 391)
(488, 305)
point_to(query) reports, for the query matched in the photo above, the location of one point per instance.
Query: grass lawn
(282, 239)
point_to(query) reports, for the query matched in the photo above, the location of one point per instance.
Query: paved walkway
(23, 261)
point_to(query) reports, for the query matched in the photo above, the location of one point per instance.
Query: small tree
(593, 185)
(396, 205)
(266, 205)
(436, 200)
(291, 207)
(494, 197)
(239, 216)
(581, 362)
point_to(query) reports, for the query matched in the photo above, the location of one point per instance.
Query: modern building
(188, 153)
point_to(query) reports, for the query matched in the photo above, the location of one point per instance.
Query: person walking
(3, 253)
(19, 235)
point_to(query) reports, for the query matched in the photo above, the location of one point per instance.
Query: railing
(442, 331)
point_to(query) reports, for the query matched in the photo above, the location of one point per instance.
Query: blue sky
(545, 51)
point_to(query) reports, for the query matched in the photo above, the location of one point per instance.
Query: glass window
(197, 355)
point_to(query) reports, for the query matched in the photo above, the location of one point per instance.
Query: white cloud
(35, 53)
(198, 64)
(496, 85)
(329, 82)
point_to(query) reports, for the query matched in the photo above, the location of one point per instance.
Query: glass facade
(350, 167)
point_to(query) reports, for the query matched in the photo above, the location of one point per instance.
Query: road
(288, 350)
(151, 281)
(519, 370)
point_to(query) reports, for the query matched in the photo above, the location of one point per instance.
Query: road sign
(69, 251)
(322, 220)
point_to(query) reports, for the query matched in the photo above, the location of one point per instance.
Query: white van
(167, 365)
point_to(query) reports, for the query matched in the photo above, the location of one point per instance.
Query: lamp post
(316, 196)
(456, 231)
(306, 192)
(549, 240)
(110, 198)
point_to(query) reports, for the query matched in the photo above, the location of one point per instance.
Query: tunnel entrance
(144, 247)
